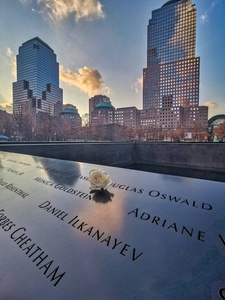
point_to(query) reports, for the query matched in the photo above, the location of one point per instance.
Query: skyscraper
(37, 91)
(171, 78)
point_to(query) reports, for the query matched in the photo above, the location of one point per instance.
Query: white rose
(99, 180)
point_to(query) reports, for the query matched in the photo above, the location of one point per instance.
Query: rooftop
(105, 105)
(38, 39)
(172, 2)
(69, 111)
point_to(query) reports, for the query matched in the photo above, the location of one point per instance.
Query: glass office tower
(171, 78)
(37, 91)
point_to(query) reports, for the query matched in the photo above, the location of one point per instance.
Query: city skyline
(102, 50)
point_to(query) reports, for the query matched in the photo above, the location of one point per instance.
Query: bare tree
(85, 119)
(6, 124)
(220, 131)
(140, 132)
(48, 127)
(177, 134)
(165, 134)
(153, 133)
(130, 133)
(199, 132)
(23, 125)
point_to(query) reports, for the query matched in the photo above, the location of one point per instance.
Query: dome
(105, 105)
(216, 120)
(172, 2)
(69, 111)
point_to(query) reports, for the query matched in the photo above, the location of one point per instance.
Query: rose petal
(99, 179)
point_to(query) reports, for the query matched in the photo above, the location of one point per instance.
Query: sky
(101, 47)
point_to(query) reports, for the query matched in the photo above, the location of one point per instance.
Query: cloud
(211, 105)
(7, 107)
(1, 98)
(25, 1)
(87, 80)
(205, 16)
(81, 9)
(9, 52)
(60, 9)
(138, 85)
(214, 3)
(37, 11)
(12, 60)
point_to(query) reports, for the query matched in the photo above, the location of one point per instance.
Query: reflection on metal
(150, 236)
(64, 174)
(102, 196)
(222, 293)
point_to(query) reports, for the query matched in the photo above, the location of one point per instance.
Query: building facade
(93, 101)
(71, 117)
(36, 91)
(172, 69)
(179, 118)
(171, 79)
(162, 118)
(103, 114)
(128, 116)
(150, 118)
(195, 116)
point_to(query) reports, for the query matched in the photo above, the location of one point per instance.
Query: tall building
(93, 101)
(171, 78)
(36, 91)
